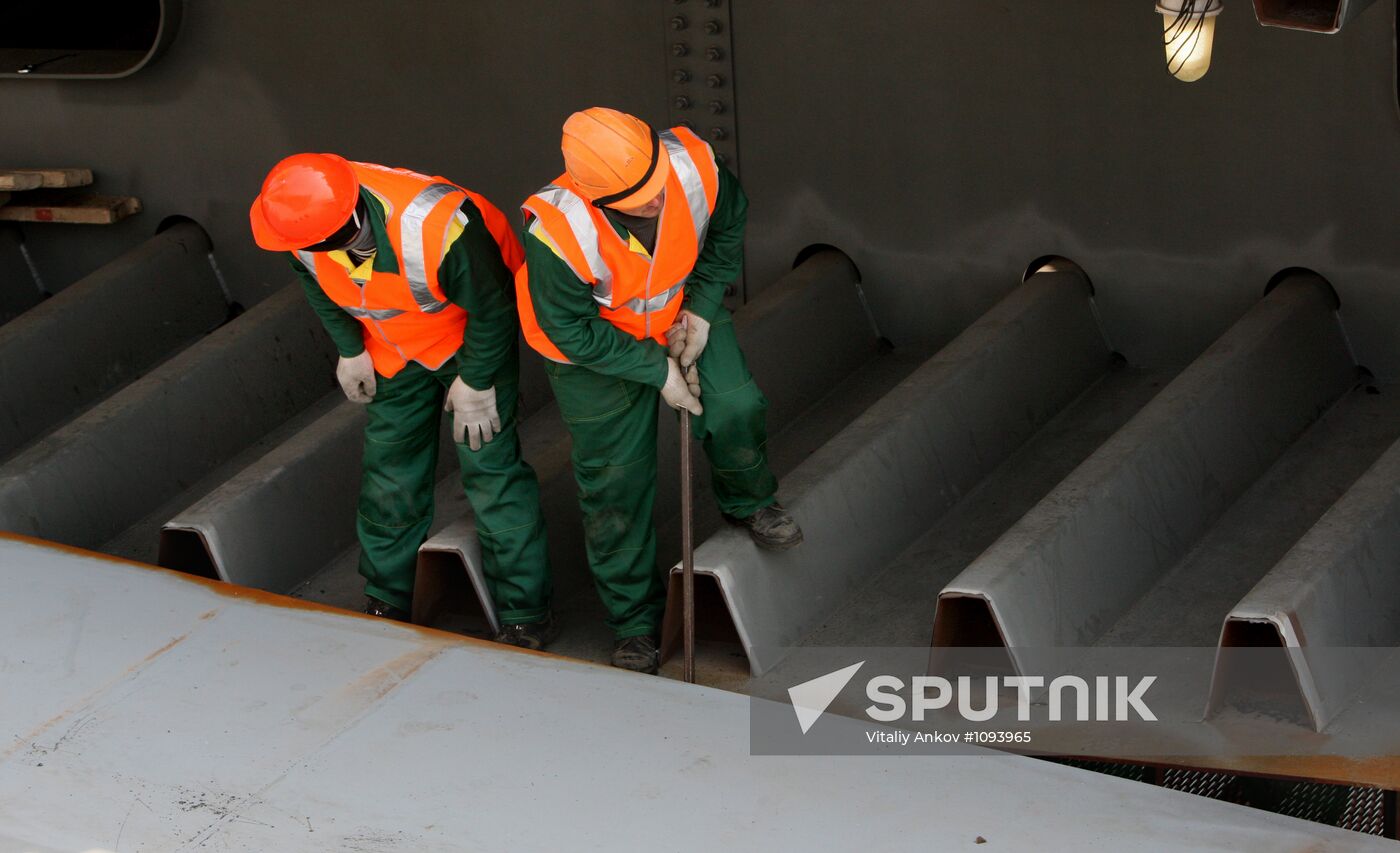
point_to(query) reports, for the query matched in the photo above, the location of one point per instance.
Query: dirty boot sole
(637, 654)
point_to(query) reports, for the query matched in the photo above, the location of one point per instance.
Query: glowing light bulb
(1188, 31)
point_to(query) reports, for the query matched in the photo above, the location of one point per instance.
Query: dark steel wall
(472, 90)
(944, 145)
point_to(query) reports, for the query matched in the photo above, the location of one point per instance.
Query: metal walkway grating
(1344, 806)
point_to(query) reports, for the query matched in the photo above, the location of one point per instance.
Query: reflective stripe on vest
(415, 265)
(575, 211)
(372, 313)
(638, 305)
(694, 187)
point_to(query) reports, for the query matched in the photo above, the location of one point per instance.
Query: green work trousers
(396, 493)
(613, 423)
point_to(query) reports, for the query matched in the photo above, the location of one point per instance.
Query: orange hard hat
(614, 158)
(305, 199)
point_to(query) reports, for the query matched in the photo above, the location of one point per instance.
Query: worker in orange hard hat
(412, 278)
(628, 254)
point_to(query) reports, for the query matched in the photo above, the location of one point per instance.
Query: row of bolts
(714, 54)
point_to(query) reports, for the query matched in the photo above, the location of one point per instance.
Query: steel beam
(281, 517)
(442, 562)
(90, 479)
(820, 300)
(874, 488)
(1336, 590)
(104, 330)
(1079, 559)
(292, 511)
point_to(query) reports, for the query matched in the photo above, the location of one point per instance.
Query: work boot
(530, 635)
(772, 528)
(384, 610)
(638, 654)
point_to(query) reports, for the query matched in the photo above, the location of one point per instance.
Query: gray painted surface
(182, 715)
(1134, 507)
(476, 92)
(105, 330)
(872, 489)
(942, 144)
(1336, 589)
(88, 480)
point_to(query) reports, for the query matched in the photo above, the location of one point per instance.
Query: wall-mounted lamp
(1188, 31)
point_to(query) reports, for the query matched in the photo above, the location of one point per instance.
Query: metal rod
(687, 555)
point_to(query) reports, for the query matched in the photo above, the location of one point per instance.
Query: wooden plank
(83, 209)
(31, 179)
(15, 181)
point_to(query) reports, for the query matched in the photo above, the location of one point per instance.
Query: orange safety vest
(406, 316)
(639, 294)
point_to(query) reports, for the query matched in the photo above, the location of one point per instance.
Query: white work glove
(474, 415)
(682, 390)
(356, 377)
(687, 338)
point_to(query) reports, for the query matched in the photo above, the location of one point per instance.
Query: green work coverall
(608, 398)
(401, 436)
